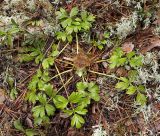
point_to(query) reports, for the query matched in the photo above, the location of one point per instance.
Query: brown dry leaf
(81, 60)
(128, 47)
(154, 42)
(2, 96)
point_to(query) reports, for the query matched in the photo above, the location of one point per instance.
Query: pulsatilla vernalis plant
(46, 100)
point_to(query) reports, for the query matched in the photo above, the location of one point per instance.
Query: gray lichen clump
(26, 11)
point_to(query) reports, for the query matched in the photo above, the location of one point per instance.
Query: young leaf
(69, 29)
(68, 112)
(31, 97)
(38, 111)
(42, 98)
(69, 38)
(123, 85)
(84, 15)
(77, 121)
(130, 54)
(30, 132)
(91, 18)
(45, 64)
(48, 88)
(75, 97)
(131, 90)
(81, 86)
(60, 102)
(18, 125)
(49, 109)
(74, 12)
(66, 22)
(136, 61)
(132, 75)
(80, 110)
(141, 99)
(141, 88)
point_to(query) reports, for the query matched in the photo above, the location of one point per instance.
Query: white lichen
(98, 131)
(127, 25)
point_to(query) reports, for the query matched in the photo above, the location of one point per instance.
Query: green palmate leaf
(42, 98)
(48, 88)
(81, 86)
(41, 84)
(45, 64)
(132, 75)
(74, 12)
(94, 91)
(84, 15)
(50, 60)
(39, 58)
(50, 109)
(76, 23)
(118, 52)
(131, 90)
(61, 36)
(61, 14)
(18, 125)
(55, 53)
(35, 53)
(85, 25)
(85, 101)
(25, 57)
(124, 79)
(38, 111)
(80, 110)
(106, 35)
(45, 77)
(95, 96)
(121, 62)
(69, 29)
(136, 61)
(13, 94)
(77, 121)
(31, 97)
(75, 97)
(141, 88)
(91, 18)
(30, 132)
(141, 99)
(123, 85)
(2, 33)
(60, 102)
(69, 38)
(130, 54)
(33, 84)
(38, 121)
(66, 22)
(68, 112)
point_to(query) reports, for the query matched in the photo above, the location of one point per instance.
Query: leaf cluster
(126, 84)
(100, 43)
(28, 132)
(41, 91)
(119, 58)
(76, 103)
(7, 36)
(73, 22)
